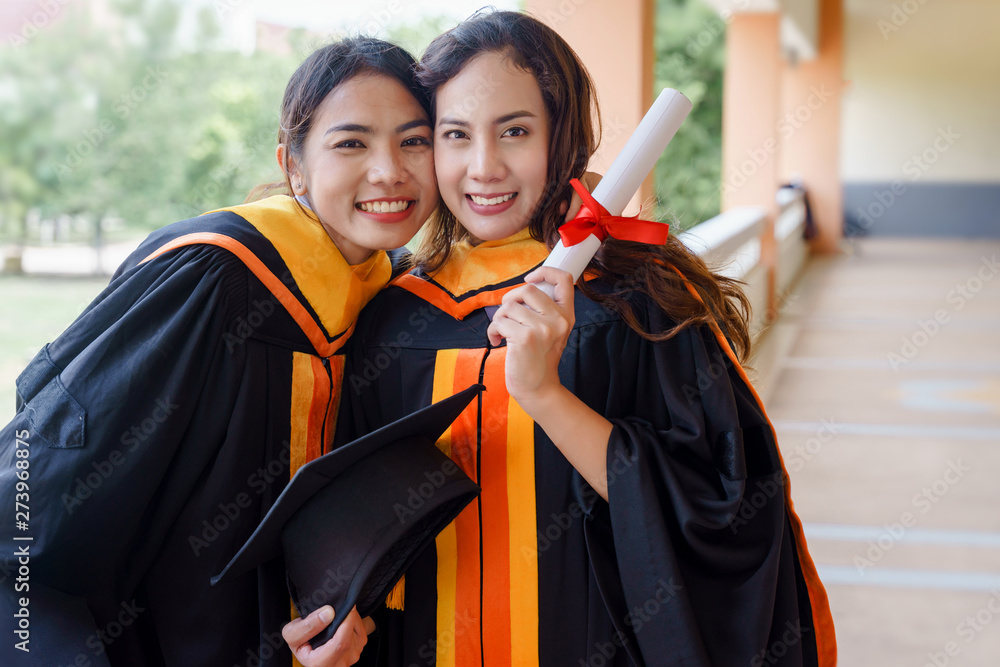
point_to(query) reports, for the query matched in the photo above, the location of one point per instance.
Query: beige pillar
(751, 93)
(751, 142)
(811, 125)
(615, 42)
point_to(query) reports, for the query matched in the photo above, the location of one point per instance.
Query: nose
(387, 168)
(485, 163)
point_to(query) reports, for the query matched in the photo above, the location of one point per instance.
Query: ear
(290, 167)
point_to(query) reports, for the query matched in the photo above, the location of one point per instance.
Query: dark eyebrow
(367, 129)
(499, 121)
(419, 122)
(452, 121)
(511, 116)
(350, 127)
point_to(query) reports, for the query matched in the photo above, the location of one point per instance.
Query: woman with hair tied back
(157, 430)
(631, 513)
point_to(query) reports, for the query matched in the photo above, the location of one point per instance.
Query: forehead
(367, 96)
(489, 85)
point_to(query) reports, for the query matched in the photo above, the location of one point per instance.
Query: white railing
(730, 243)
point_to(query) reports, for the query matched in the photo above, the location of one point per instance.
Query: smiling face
(367, 166)
(491, 146)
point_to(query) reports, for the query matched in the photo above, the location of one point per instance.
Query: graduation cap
(352, 521)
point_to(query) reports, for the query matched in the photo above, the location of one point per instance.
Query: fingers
(493, 335)
(523, 325)
(344, 648)
(301, 630)
(547, 274)
(561, 280)
(500, 328)
(520, 296)
(505, 327)
(541, 306)
(529, 307)
(369, 624)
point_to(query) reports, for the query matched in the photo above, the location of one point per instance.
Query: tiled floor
(886, 396)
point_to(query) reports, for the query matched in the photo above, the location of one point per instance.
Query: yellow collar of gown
(336, 290)
(473, 267)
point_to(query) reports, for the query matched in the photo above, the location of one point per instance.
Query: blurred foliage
(121, 118)
(690, 55)
(133, 117)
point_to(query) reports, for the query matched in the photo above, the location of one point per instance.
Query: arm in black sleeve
(103, 412)
(685, 458)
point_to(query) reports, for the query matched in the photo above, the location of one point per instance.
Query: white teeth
(384, 206)
(493, 201)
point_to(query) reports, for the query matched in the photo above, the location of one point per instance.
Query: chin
(393, 241)
(493, 229)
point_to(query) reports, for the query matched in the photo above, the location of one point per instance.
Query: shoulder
(191, 269)
(177, 271)
(226, 239)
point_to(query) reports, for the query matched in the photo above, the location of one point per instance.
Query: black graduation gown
(697, 557)
(156, 432)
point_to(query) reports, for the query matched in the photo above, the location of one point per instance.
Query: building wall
(921, 118)
(781, 119)
(615, 43)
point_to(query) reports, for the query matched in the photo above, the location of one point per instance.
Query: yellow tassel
(395, 599)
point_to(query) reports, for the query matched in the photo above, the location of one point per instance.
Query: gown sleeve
(694, 559)
(100, 456)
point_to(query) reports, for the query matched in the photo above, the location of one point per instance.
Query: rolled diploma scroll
(624, 177)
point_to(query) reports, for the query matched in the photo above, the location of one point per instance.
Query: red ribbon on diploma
(595, 219)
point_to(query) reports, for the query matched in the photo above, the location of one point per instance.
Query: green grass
(33, 311)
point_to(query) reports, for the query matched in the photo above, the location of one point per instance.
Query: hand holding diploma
(536, 334)
(536, 328)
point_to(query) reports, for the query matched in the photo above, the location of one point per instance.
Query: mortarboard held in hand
(347, 522)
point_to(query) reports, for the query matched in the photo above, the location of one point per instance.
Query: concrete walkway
(886, 396)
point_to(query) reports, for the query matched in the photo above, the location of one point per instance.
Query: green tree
(124, 118)
(690, 54)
